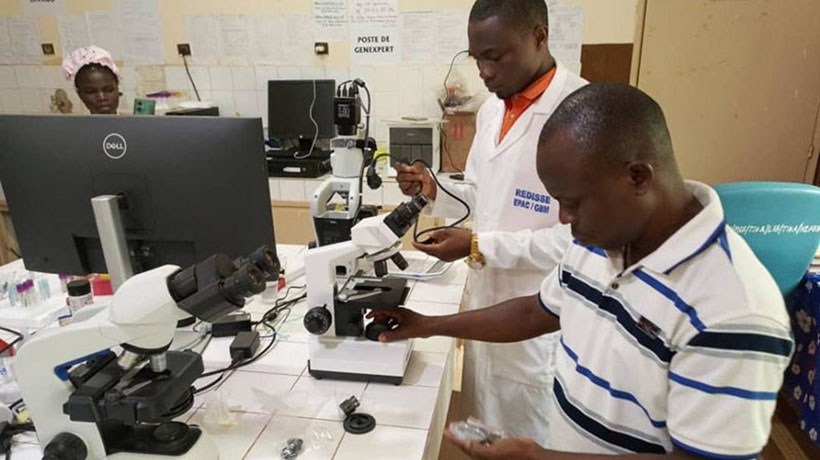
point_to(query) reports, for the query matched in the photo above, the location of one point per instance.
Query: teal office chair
(781, 223)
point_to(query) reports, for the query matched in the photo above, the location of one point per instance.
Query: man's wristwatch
(476, 259)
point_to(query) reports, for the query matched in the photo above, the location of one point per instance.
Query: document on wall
(269, 32)
(141, 33)
(297, 45)
(451, 34)
(73, 33)
(103, 32)
(6, 50)
(418, 37)
(375, 37)
(38, 7)
(566, 29)
(25, 40)
(374, 12)
(234, 39)
(202, 32)
(330, 20)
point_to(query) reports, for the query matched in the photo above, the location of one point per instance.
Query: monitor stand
(112, 237)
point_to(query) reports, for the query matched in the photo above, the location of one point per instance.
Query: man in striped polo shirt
(674, 336)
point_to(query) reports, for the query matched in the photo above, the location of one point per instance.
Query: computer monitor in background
(192, 187)
(301, 110)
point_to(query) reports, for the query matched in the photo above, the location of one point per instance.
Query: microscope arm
(320, 270)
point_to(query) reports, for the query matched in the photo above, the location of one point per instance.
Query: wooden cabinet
(456, 139)
(739, 82)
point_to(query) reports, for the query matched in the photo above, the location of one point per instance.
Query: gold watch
(476, 259)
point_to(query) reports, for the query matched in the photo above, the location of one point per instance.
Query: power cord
(444, 112)
(315, 127)
(467, 213)
(188, 71)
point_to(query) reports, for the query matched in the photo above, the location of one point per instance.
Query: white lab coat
(508, 386)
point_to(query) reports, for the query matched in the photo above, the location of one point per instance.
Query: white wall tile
(337, 73)
(51, 77)
(28, 76)
(392, 194)
(263, 74)
(243, 79)
(31, 100)
(128, 78)
(292, 189)
(313, 73)
(410, 87)
(273, 186)
(262, 100)
(202, 78)
(221, 79)
(289, 72)
(10, 101)
(246, 103)
(127, 101)
(373, 197)
(206, 95)
(225, 101)
(366, 73)
(384, 78)
(7, 78)
(176, 79)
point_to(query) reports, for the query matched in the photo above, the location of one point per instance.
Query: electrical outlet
(48, 49)
(321, 48)
(184, 49)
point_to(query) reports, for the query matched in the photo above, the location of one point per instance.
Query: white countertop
(275, 398)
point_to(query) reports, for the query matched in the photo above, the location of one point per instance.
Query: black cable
(452, 63)
(185, 61)
(246, 362)
(444, 112)
(11, 331)
(15, 404)
(468, 210)
(209, 385)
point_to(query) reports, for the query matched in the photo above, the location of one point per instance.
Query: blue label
(532, 201)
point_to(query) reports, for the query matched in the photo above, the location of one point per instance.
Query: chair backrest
(781, 223)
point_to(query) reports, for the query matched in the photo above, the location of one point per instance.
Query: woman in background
(95, 77)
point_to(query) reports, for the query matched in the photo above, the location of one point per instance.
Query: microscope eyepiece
(402, 218)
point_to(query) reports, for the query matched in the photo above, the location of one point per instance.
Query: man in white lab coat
(506, 385)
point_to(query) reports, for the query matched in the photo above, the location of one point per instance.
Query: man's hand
(410, 177)
(500, 449)
(407, 324)
(448, 245)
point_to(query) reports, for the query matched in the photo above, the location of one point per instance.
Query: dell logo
(114, 146)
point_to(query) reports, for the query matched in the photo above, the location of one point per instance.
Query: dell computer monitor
(191, 187)
(290, 106)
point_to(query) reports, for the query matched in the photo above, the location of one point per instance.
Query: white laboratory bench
(275, 398)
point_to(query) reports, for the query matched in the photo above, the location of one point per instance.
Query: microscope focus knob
(318, 320)
(65, 446)
(400, 261)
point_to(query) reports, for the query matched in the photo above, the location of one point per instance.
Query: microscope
(332, 222)
(89, 402)
(341, 346)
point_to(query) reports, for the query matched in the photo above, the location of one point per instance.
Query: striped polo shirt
(685, 348)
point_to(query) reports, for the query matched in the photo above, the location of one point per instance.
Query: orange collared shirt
(516, 105)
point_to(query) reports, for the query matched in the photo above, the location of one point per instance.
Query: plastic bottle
(79, 295)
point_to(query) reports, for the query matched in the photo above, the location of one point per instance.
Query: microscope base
(358, 359)
(204, 449)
